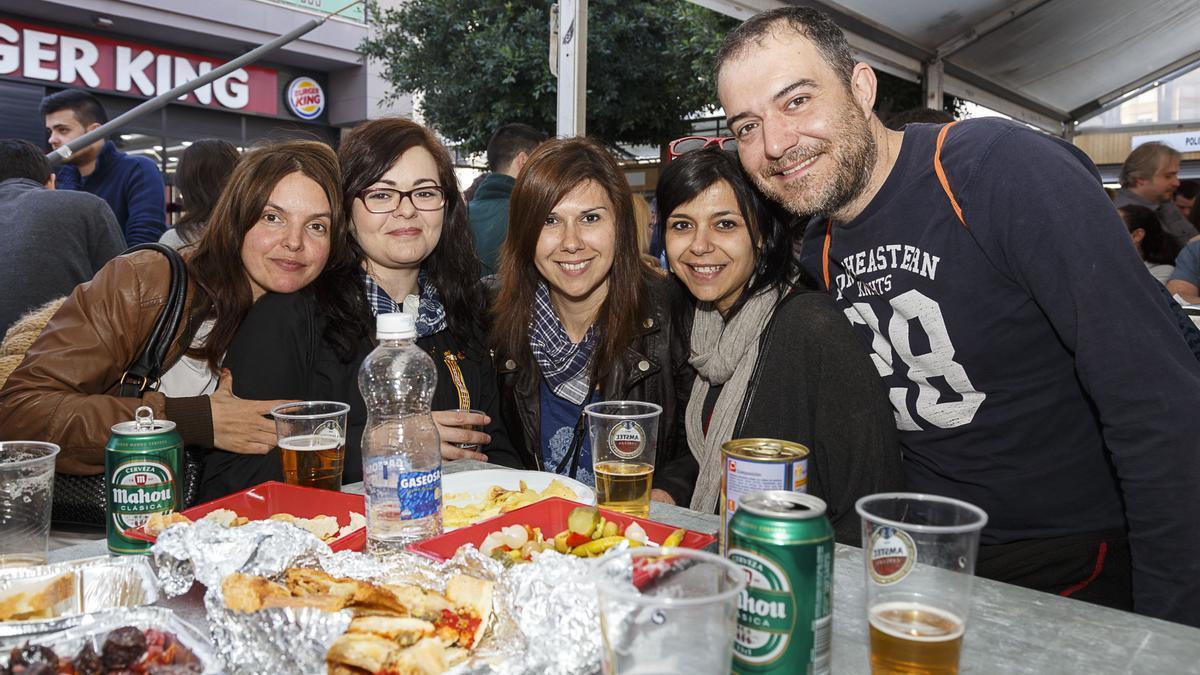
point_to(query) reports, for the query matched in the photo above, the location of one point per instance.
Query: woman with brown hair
(279, 231)
(579, 317)
(413, 253)
(418, 256)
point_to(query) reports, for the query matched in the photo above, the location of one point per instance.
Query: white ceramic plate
(466, 487)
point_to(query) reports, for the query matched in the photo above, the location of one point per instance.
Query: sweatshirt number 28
(891, 336)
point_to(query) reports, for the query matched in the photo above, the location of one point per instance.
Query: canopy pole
(932, 75)
(65, 151)
(572, 68)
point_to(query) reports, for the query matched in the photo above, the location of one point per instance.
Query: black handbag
(79, 500)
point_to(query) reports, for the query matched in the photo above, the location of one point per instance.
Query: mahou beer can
(143, 461)
(757, 464)
(784, 542)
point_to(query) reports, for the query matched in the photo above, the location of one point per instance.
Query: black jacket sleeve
(271, 357)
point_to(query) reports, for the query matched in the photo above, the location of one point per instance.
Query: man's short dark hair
(22, 159)
(920, 115)
(87, 108)
(1188, 189)
(509, 141)
(815, 25)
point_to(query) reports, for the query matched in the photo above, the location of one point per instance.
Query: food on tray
(38, 601)
(588, 535)
(125, 650)
(500, 500)
(324, 527)
(397, 628)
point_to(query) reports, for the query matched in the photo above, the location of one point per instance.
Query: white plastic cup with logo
(624, 436)
(681, 620)
(919, 553)
(312, 442)
(26, 493)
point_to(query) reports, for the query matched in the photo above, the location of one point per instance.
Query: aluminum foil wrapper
(96, 626)
(546, 617)
(208, 552)
(548, 620)
(77, 588)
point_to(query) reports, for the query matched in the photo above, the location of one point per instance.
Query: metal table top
(1010, 629)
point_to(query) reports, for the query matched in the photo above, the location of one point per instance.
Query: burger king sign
(306, 98)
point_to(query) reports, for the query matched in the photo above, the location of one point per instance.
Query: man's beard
(852, 154)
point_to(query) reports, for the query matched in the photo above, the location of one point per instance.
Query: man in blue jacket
(132, 186)
(1034, 367)
(507, 151)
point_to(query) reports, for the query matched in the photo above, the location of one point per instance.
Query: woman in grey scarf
(773, 359)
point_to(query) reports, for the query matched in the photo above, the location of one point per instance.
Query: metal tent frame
(1049, 63)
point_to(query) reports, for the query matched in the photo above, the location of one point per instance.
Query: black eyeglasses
(386, 200)
(682, 146)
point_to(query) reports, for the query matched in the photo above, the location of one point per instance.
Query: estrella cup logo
(306, 98)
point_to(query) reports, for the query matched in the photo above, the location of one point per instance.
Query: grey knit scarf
(722, 353)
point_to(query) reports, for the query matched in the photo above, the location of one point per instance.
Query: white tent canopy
(1050, 63)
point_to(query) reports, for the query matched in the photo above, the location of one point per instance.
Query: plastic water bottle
(402, 460)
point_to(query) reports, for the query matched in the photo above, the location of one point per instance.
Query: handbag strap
(143, 374)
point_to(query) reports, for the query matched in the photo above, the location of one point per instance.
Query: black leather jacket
(654, 368)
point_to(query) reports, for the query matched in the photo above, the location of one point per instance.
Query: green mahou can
(784, 541)
(143, 465)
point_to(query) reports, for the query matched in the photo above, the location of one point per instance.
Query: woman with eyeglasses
(419, 257)
(579, 317)
(415, 255)
(773, 359)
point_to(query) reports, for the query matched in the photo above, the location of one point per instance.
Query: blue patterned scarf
(431, 315)
(563, 363)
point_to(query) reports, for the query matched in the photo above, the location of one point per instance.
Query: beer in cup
(312, 442)
(624, 435)
(919, 553)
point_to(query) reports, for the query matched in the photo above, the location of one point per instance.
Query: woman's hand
(455, 426)
(657, 495)
(241, 425)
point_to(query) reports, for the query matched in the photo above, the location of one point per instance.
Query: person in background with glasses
(774, 358)
(580, 318)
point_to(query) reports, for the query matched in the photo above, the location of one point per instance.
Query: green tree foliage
(483, 63)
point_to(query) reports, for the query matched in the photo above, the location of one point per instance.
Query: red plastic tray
(267, 499)
(551, 516)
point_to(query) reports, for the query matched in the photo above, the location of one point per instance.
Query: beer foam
(310, 443)
(905, 630)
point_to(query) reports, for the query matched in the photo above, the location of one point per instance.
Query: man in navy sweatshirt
(132, 186)
(1034, 368)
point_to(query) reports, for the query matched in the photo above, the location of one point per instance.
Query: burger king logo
(306, 98)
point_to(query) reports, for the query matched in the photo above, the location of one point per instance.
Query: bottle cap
(395, 326)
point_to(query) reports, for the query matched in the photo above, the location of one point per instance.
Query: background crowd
(946, 307)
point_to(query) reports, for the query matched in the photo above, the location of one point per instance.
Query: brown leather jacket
(654, 368)
(64, 390)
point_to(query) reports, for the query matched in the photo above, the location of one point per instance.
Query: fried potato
(502, 500)
(158, 522)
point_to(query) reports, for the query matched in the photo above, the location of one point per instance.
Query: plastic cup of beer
(624, 435)
(26, 493)
(919, 554)
(312, 442)
(681, 620)
(472, 427)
